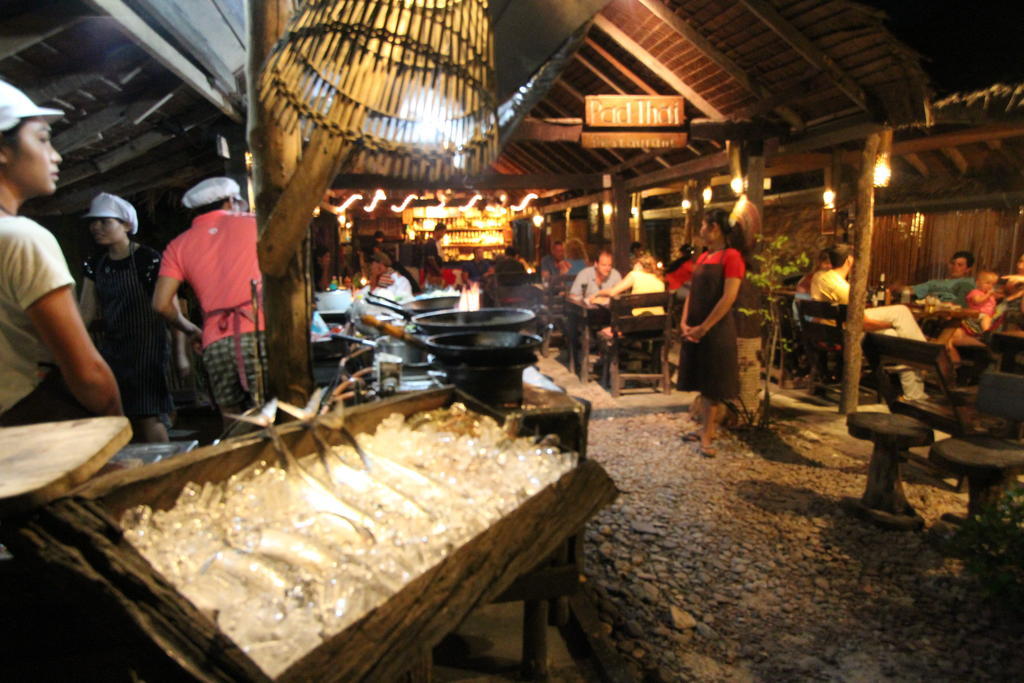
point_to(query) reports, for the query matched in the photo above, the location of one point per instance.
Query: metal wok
(477, 348)
(415, 306)
(483, 320)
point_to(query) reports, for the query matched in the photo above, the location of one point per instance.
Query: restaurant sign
(650, 121)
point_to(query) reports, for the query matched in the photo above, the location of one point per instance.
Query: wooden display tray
(78, 541)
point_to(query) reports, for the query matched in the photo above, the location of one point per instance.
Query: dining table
(944, 318)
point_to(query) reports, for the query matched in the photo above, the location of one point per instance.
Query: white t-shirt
(31, 265)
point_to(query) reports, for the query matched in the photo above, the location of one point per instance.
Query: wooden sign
(633, 139)
(634, 111)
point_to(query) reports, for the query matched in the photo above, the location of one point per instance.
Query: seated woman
(645, 278)
(576, 254)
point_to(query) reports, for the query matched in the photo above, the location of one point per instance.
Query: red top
(681, 275)
(731, 259)
(217, 257)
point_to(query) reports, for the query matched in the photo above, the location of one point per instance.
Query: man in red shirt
(217, 257)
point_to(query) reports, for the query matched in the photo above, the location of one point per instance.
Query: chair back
(625, 323)
(821, 323)
(1002, 394)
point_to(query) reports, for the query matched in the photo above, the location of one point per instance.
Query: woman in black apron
(119, 285)
(708, 361)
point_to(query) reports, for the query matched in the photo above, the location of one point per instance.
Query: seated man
(832, 285)
(554, 265)
(956, 286)
(593, 279)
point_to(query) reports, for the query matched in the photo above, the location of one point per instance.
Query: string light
(348, 202)
(883, 172)
(378, 197)
(707, 193)
(829, 199)
(469, 205)
(736, 185)
(526, 201)
(405, 202)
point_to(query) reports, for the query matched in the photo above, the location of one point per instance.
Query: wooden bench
(990, 464)
(1009, 346)
(952, 410)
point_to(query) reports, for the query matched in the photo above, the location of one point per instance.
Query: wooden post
(863, 227)
(275, 152)
(620, 225)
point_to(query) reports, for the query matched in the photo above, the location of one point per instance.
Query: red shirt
(730, 259)
(217, 257)
(681, 275)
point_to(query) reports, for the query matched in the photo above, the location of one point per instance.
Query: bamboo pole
(863, 227)
(275, 152)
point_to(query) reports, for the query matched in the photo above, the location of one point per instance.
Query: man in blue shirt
(956, 286)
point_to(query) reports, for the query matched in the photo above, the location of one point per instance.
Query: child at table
(982, 299)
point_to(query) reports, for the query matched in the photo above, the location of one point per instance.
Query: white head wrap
(210, 191)
(106, 205)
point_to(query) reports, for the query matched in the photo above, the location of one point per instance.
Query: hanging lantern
(706, 194)
(882, 172)
(409, 84)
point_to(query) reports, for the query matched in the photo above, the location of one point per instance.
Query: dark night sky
(969, 44)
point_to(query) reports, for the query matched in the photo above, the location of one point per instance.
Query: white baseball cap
(210, 191)
(106, 205)
(15, 106)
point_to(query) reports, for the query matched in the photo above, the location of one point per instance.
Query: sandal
(708, 451)
(691, 436)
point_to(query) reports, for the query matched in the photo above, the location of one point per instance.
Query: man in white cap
(49, 368)
(217, 257)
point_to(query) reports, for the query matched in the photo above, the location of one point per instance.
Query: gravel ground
(746, 567)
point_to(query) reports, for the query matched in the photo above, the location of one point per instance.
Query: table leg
(585, 352)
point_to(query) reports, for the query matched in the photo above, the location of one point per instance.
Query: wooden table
(949, 319)
(583, 320)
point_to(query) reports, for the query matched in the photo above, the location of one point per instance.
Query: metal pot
(410, 354)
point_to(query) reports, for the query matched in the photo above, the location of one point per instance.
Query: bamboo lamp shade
(409, 84)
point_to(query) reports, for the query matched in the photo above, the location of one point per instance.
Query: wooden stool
(989, 464)
(884, 502)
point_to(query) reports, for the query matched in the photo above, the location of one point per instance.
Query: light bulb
(685, 204)
(736, 185)
(829, 198)
(707, 193)
(538, 220)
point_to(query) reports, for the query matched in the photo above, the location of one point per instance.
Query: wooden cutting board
(42, 462)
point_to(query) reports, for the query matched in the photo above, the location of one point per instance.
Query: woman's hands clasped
(693, 334)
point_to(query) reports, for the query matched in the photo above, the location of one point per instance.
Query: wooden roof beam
(957, 157)
(92, 128)
(704, 46)
(814, 55)
(150, 42)
(917, 163)
(663, 72)
(25, 30)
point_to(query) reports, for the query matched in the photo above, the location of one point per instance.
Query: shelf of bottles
(467, 231)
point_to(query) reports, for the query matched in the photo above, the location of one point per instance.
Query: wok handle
(388, 304)
(394, 331)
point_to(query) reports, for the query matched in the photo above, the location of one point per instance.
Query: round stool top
(898, 431)
(978, 455)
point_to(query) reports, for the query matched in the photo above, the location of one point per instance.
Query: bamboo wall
(912, 248)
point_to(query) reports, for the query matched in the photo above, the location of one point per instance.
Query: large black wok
(483, 320)
(478, 348)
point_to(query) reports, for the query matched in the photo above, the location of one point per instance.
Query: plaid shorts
(222, 369)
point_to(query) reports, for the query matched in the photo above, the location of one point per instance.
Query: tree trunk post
(275, 153)
(863, 227)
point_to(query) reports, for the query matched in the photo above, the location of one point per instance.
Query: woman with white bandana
(49, 367)
(119, 287)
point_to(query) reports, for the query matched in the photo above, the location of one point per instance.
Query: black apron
(710, 366)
